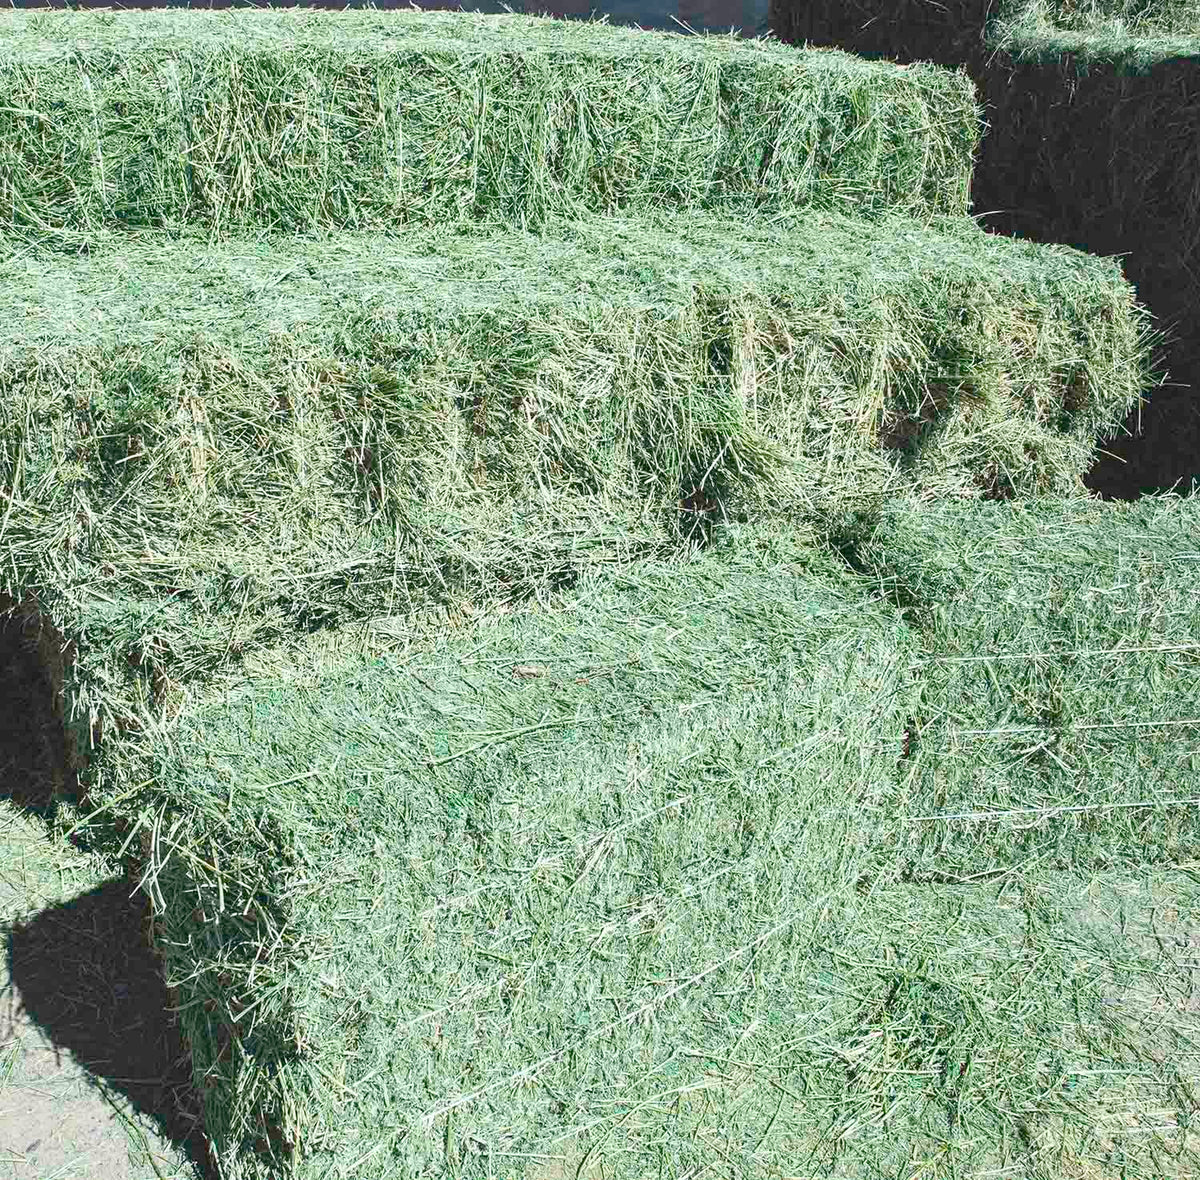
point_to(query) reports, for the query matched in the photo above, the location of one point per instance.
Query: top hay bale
(301, 120)
(1136, 33)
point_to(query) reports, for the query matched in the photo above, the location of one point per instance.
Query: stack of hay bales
(551, 294)
(331, 332)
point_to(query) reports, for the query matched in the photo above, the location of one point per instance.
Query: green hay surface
(1138, 17)
(206, 449)
(296, 119)
(583, 890)
(1134, 35)
(492, 849)
(1060, 725)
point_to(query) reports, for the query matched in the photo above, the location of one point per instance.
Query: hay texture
(1060, 721)
(204, 449)
(300, 119)
(1139, 30)
(421, 908)
(582, 891)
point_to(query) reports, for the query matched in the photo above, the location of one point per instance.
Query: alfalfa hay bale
(442, 911)
(213, 448)
(1060, 673)
(589, 888)
(309, 120)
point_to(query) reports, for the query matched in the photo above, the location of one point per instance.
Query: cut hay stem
(506, 736)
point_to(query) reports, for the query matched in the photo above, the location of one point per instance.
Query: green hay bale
(1134, 33)
(1022, 1027)
(299, 119)
(207, 449)
(1060, 723)
(465, 871)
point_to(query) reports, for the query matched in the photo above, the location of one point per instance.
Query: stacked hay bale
(1059, 676)
(327, 332)
(752, 288)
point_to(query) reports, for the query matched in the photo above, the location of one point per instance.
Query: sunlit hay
(1060, 676)
(307, 120)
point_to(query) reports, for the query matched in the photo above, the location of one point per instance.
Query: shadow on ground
(85, 975)
(83, 970)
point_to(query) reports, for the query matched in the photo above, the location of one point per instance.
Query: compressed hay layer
(1142, 17)
(1060, 721)
(299, 119)
(584, 887)
(208, 449)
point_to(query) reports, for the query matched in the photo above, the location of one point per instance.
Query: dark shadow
(84, 971)
(85, 974)
(34, 766)
(1066, 162)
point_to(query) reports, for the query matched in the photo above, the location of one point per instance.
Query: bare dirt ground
(94, 1080)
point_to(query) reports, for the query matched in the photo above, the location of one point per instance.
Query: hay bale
(301, 119)
(426, 907)
(1060, 681)
(214, 449)
(1090, 24)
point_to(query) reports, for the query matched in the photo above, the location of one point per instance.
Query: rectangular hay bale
(306, 119)
(1060, 673)
(210, 448)
(582, 892)
(434, 912)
